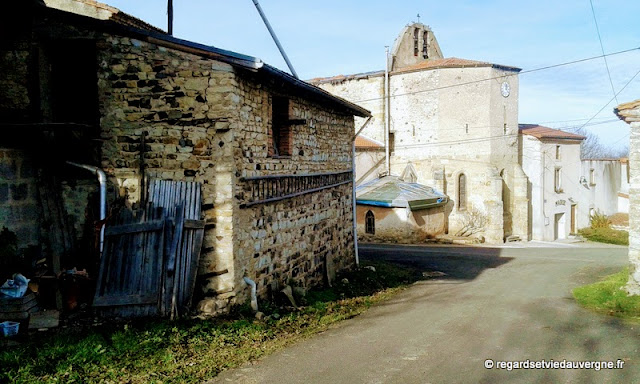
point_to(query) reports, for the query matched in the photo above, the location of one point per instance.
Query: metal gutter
(250, 63)
(318, 92)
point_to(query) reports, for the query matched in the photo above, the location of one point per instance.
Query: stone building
(392, 209)
(370, 155)
(456, 121)
(551, 160)
(273, 153)
(630, 113)
(605, 187)
(565, 189)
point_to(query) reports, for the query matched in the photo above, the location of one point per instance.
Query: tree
(592, 148)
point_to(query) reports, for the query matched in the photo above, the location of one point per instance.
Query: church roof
(452, 62)
(427, 65)
(393, 192)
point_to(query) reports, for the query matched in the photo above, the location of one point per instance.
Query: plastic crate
(9, 328)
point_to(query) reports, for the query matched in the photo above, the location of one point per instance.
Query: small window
(592, 176)
(392, 142)
(281, 138)
(415, 42)
(557, 180)
(370, 223)
(557, 152)
(462, 192)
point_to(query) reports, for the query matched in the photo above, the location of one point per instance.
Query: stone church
(456, 122)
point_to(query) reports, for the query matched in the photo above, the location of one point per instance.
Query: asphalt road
(503, 304)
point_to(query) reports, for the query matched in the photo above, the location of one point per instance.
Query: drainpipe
(102, 179)
(353, 189)
(386, 111)
(275, 38)
(353, 200)
(254, 298)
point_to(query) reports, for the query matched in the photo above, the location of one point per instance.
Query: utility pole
(170, 17)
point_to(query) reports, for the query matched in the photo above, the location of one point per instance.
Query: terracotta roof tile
(363, 142)
(451, 62)
(541, 132)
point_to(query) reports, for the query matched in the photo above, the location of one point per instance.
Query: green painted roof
(393, 192)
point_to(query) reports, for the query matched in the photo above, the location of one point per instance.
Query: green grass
(189, 351)
(609, 297)
(605, 235)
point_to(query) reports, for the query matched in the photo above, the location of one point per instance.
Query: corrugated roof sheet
(542, 132)
(363, 142)
(392, 192)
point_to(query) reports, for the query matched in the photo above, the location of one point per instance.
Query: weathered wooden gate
(150, 258)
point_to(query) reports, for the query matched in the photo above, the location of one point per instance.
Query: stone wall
(203, 121)
(14, 82)
(186, 109)
(304, 239)
(601, 193)
(371, 163)
(634, 204)
(19, 208)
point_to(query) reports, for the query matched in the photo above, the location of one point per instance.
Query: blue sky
(330, 37)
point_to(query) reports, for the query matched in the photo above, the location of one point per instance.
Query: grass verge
(609, 297)
(605, 235)
(189, 351)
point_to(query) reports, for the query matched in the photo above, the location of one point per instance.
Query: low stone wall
(399, 225)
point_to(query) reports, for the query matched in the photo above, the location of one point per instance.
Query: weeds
(608, 296)
(189, 351)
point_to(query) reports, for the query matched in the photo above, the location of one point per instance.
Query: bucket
(9, 328)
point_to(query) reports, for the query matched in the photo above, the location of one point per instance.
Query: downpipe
(102, 179)
(254, 298)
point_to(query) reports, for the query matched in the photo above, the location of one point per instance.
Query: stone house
(455, 121)
(551, 160)
(394, 209)
(630, 113)
(273, 153)
(565, 189)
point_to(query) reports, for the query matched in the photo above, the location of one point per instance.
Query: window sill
(280, 157)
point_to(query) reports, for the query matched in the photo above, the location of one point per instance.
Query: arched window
(370, 223)
(415, 42)
(462, 192)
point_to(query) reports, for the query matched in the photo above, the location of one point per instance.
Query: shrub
(599, 220)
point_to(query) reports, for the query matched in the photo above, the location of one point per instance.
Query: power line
(593, 12)
(609, 102)
(499, 77)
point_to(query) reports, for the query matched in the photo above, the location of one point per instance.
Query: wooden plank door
(130, 278)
